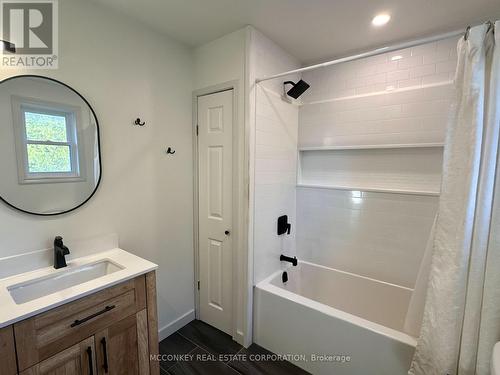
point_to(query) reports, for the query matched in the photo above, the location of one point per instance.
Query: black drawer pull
(91, 364)
(80, 321)
(104, 354)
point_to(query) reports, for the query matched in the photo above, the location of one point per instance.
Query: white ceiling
(310, 30)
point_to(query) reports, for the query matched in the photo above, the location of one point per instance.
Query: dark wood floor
(199, 348)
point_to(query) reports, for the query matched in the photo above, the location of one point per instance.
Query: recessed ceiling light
(396, 58)
(381, 19)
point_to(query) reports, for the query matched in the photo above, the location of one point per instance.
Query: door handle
(91, 364)
(227, 233)
(104, 354)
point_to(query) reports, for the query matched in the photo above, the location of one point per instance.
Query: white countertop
(11, 312)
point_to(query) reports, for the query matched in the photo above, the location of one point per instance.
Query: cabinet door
(78, 359)
(120, 348)
(8, 364)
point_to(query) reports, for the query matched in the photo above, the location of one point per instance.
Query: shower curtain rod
(374, 52)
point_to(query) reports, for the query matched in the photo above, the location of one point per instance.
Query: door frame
(240, 212)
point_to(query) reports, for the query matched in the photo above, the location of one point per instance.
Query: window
(47, 147)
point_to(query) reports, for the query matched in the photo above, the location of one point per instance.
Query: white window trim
(73, 118)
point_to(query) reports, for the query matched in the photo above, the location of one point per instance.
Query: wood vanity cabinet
(112, 331)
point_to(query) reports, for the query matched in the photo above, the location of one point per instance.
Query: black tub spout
(293, 260)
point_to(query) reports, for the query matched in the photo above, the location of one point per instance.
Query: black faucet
(293, 260)
(59, 252)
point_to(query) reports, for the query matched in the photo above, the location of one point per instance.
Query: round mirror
(50, 160)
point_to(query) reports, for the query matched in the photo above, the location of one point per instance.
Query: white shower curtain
(461, 319)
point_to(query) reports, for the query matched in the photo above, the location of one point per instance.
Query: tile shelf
(370, 147)
(432, 193)
(411, 169)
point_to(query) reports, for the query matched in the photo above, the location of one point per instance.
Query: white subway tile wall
(275, 159)
(399, 97)
(377, 235)
(400, 117)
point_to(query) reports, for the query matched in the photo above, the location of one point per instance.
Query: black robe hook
(138, 122)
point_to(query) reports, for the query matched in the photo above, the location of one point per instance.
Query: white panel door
(215, 163)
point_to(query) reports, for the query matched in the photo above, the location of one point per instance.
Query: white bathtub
(320, 311)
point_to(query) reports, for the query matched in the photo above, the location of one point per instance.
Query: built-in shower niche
(404, 168)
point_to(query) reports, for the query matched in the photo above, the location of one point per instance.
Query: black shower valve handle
(284, 227)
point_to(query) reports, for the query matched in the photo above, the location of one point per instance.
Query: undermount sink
(60, 280)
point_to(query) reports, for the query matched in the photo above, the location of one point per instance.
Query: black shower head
(297, 89)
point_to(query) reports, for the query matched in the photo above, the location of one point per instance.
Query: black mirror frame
(98, 145)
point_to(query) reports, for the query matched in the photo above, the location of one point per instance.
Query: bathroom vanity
(102, 320)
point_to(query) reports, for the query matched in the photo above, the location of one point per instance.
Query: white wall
(374, 101)
(275, 155)
(127, 71)
(220, 60)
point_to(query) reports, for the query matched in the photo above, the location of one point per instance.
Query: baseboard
(178, 323)
(239, 337)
